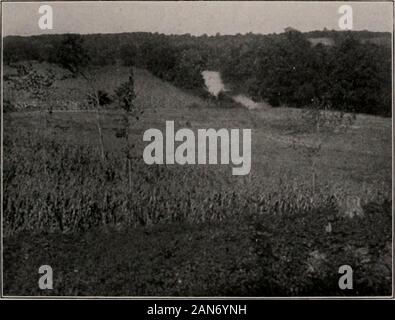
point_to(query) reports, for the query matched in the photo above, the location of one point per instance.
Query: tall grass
(52, 185)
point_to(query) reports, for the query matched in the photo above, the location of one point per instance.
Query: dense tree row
(289, 70)
(352, 73)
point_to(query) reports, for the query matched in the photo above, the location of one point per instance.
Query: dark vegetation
(267, 255)
(353, 74)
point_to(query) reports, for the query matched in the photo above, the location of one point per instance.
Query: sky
(200, 17)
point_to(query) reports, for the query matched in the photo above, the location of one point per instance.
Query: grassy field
(189, 230)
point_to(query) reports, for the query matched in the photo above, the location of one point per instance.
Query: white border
(3, 297)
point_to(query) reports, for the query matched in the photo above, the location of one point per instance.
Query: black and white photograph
(197, 149)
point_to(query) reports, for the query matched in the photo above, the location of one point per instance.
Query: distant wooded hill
(343, 70)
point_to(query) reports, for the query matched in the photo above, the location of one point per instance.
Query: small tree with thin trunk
(320, 120)
(72, 56)
(125, 96)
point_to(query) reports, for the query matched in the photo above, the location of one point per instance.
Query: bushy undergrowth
(309, 256)
(266, 255)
